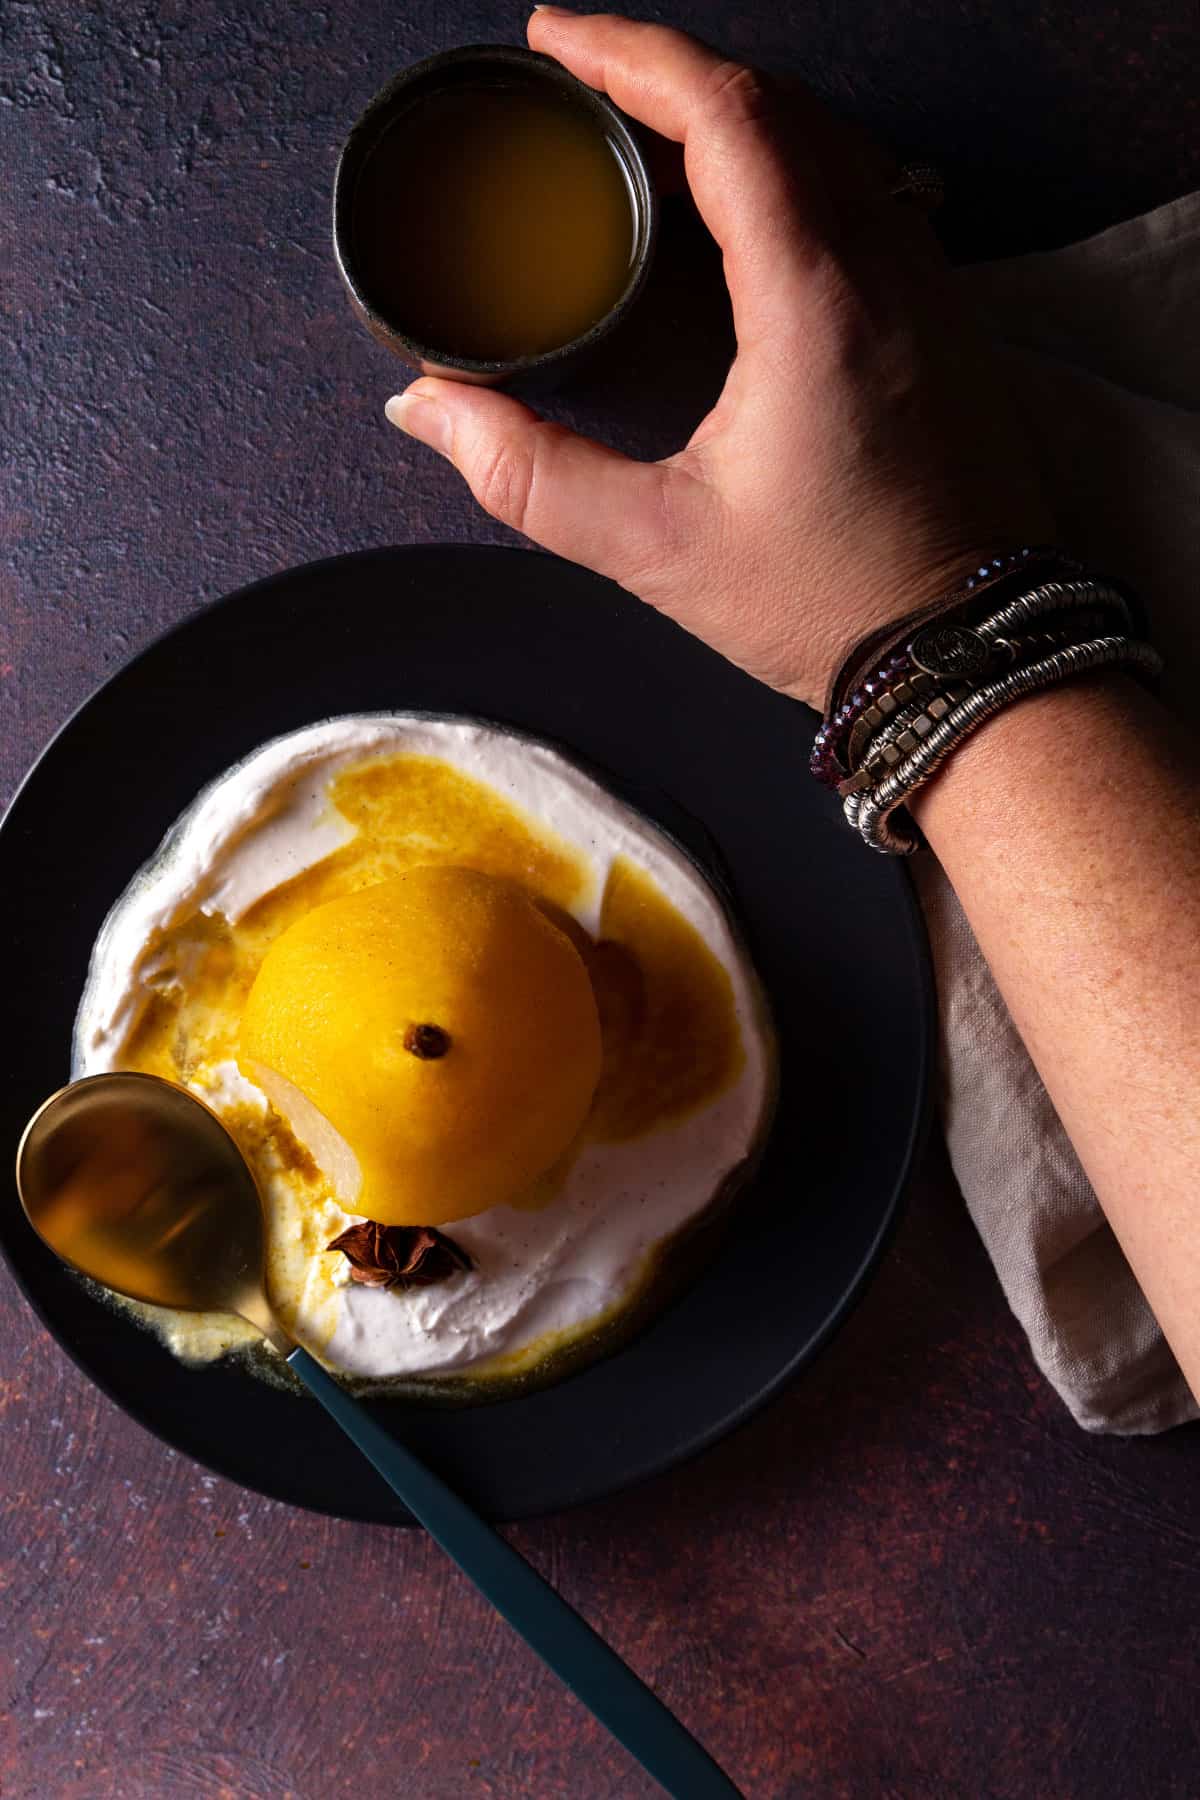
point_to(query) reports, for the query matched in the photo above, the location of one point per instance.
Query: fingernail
(421, 418)
(556, 12)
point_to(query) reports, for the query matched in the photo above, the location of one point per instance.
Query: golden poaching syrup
(408, 810)
(669, 1027)
(667, 1014)
(493, 221)
(668, 1020)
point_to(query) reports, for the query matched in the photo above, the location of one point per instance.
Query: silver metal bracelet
(877, 749)
(956, 653)
(869, 809)
(1054, 596)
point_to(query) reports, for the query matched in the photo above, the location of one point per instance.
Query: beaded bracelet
(878, 660)
(870, 810)
(1024, 622)
(890, 737)
(973, 652)
(945, 648)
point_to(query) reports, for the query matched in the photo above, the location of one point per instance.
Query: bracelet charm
(951, 652)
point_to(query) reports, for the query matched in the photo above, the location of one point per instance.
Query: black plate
(547, 647)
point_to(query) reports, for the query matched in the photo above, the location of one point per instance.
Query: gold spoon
(135, 1182)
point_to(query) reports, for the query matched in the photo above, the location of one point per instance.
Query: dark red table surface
(913, 1575)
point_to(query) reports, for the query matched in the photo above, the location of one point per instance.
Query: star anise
(399, 1256)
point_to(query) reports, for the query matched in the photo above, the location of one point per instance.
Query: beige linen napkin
(1104, 338)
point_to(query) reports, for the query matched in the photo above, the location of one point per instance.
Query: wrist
(881, 675)
(882, 600)
(1006, 772)
(905, 701)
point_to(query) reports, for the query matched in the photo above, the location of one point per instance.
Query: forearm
(1070, 829)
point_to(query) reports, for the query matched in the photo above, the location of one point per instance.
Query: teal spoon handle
(561, 1638)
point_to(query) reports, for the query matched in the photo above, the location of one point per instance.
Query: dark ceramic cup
(500, 64)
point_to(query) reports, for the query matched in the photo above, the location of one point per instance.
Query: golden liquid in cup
(493, 222)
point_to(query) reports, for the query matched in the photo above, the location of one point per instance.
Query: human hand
(860, 458)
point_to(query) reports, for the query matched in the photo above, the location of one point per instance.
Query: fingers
(769, 212)
(657, 75)
(623, 518)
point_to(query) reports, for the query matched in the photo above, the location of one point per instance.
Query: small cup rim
(372, 122)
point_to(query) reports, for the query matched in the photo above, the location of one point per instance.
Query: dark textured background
(913, 1576)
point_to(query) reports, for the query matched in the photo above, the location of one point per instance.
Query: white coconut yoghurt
(348, 802)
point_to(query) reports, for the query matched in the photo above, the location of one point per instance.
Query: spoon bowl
(137, 1183)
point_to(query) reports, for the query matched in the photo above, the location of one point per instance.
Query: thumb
(568, 493)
